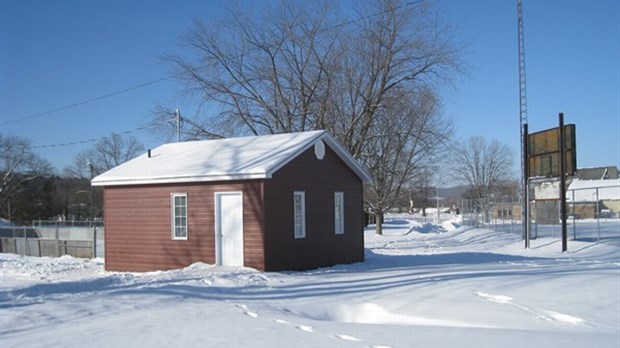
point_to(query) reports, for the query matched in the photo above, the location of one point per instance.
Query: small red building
(274, 202)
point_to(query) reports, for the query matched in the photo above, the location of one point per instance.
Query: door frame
(218, 235)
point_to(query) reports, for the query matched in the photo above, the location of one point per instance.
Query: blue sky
(57, 53)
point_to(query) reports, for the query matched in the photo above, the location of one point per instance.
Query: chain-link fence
(496, 213)
(53, 239)
(592, 214)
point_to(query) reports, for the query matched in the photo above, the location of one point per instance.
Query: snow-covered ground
(422, 285)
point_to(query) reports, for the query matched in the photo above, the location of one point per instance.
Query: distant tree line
(31, 190)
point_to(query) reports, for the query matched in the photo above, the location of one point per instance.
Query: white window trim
(172, 216)
(299, 234)
(339, 225)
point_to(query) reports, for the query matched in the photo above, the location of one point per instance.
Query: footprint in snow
(495, 298)
(246, 311)
(280, 321)
(305, 328)
(347, 337)
(251, 314)
(538, 313)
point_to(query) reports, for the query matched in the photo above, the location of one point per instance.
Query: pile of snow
(426, 228)
(451, 225)
(421, 285)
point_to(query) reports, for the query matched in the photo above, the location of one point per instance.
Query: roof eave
(180, 179)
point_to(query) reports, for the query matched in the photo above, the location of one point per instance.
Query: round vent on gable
(319, 150)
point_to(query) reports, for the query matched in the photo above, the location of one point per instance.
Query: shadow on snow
(378, 272)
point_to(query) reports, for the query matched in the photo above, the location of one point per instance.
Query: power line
(86, 141)
(70, 106)
(345, 23)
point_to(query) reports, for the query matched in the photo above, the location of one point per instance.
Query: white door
(229, 228)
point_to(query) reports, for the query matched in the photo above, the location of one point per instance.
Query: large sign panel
(544, 152)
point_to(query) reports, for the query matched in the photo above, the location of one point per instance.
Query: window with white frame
(299, 213)
(339, 212)
(179, 215)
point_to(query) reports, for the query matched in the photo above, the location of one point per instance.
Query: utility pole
(92, 199)
(522, 117)
(437, 204)
(178, 119)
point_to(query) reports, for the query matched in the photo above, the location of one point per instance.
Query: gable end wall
(319, 179)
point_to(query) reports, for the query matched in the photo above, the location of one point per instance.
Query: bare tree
(415, 132)
(266, 69)
(18, 166)
(421, 187)
(372, 81)
(485, 167)
(108, 153)
(394, 50)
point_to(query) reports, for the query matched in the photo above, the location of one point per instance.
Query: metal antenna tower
(522, 110)
(522, 85)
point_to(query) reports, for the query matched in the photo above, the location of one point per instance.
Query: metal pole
(529, 222)
(523, 120)
(92, 200)
(563, 185)
(598, 216)
(503, 221)
(94, 242)
(574, 222)
(525, 218)
(437, 204)
(178, 119)
(58, 240)
(27, 249)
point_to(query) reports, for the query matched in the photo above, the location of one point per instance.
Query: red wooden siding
(319, 179)
(138, 227)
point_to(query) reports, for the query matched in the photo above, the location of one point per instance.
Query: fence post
(27, 243)
(58, 240)
(506, 212)
(94, 242)
(529, 219)
(574, 222)
(598, 217)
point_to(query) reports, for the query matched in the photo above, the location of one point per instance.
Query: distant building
(597, 173)
(591, 193)
(588, 198)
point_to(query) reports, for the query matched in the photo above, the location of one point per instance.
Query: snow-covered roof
(255, 157)
(585, 190)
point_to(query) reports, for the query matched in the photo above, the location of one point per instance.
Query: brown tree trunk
(379, 223)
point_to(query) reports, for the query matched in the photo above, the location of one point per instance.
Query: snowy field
(422, 285)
